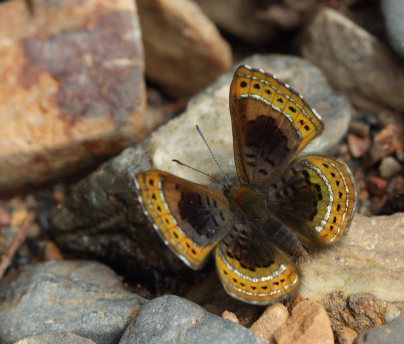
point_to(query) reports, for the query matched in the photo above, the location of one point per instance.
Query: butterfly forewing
(315, 197)
(271, 125)
(190, 218)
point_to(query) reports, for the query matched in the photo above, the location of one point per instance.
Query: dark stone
(171, 319)
(85, 298)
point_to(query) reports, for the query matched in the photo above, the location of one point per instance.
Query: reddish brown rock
(387, 141)
(309, 324)
(358, 145)
(184, 50)
(377, 186)
(272, 318)
(72, 89)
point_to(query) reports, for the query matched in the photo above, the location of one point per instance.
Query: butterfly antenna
(195, 169)
(227, 181)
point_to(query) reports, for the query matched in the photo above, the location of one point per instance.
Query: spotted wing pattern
(315, 197)
(190, 218)
(252, 269)
(271, 125)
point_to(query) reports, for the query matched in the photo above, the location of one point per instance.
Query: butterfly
(283, 203)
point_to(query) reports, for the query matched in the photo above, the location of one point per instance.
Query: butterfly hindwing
(190, 218)
(271, 125)
(252, 269)
(316, 198)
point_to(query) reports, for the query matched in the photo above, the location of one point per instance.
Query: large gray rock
(85, 298)
(393, 12)
(355, 61)
(390, 333)
(171, 319)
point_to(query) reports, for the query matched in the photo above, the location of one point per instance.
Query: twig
(17, 241)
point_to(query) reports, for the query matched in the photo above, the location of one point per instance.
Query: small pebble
(389, 167)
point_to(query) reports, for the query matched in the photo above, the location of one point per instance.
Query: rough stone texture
(171, 319)
(184, 50)
(272, 318)
(359, 312)
(354, 60)
(308, 324)
(392, 333)
(85, 298)
(72, 89)
(52, 338)
(370, 259)
(345, 335)
(104, 208)
(393, 12)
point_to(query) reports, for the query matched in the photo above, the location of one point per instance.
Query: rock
(390, 333)
(85, 298)
(377, 186)
(257, 22)
(55, 337)
(104, 206)
(72, 90)
(5, 217)
(171, 319)
(393, 12)
(308, 324)
(230, 316)
(387, 141)
(354, 60)
(358, 145)
(389, 167)
(272, 318)
(359, 312)
(346, 335)
(184, 50)
(370, 259)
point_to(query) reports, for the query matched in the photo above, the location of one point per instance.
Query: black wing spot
(253, 287)
(301, 122)
(325, 165)
(158, 208)
(334, 220)
(175, 235)
(257, 86)
(215, 222)
(292, 108)
(340, 194)
(333, 174)
(167, 221)
(225, 272)
(318, 187)
(214, 203)
(338, 207)
(280, 100)
(193, 251)
(331, 228)
(234, 280)
(269, 161)
(243, 84)
(242, 284)
(222, 216)
(338, 182)
(307, 127)
(275, 283)
(282, 280)
(251, 163)
(268, 91)
(306, 174)
(264, 287)
(151, 182)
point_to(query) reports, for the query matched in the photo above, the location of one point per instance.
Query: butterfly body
(282, 204)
